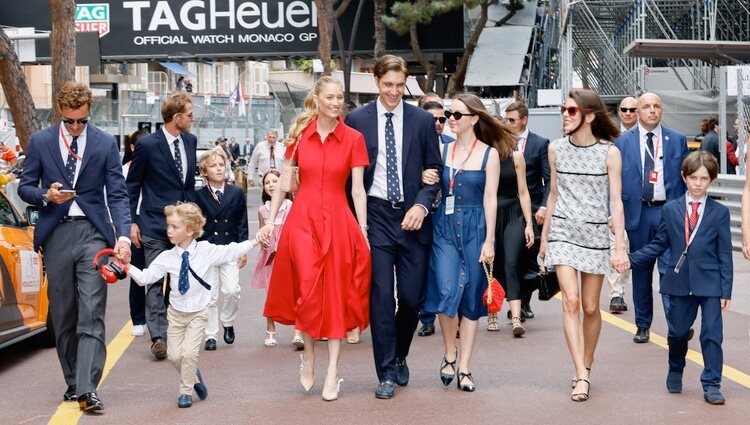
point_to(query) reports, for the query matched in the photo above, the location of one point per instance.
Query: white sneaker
(137, 330)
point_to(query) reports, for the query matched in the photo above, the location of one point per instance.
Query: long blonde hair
(311, 110)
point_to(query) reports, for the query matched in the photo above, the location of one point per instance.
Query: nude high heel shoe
(307, 384)
(329, 395)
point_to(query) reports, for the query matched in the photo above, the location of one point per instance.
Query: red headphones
(111, 272)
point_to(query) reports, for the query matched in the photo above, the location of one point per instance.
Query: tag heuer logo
(93, 17)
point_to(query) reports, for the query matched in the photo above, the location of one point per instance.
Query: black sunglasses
(70, 121)
(631, 110)
(441, 119)
(457, 115)
(572, 110)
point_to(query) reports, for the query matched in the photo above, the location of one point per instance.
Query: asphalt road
(520, 381)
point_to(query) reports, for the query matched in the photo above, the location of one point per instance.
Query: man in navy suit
(534, 149)
(694, 229)
(69, 169)
(401, 142)
(651, 159)
(162, 173)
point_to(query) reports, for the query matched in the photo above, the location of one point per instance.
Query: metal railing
(727, 189)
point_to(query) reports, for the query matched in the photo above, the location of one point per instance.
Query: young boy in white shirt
(190, 265)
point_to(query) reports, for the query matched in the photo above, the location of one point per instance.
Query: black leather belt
(394, 205)
(72, 218)
(653, 203)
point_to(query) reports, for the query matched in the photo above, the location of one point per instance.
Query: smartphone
(67, 191)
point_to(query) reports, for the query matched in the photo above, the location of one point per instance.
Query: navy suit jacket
(420, 151)
(100, 169)
(675, 149)
(154, 176)
(707, 271)
(225, 222)
(537, 170)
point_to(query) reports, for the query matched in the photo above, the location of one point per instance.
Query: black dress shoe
(427, 329)
(229, 334)
(210, 345)
(70, 393)
(617, 305)
(89, 402)
(402, 372)
(385, 389)
(642, 336)
(200, 388)
(526, 312)
(184, 401)
(470, 387)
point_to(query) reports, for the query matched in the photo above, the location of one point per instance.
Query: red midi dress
(321, 275)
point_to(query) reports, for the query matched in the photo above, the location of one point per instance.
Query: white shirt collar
(214, 189)
(524, 135)
(690, 199)
(642, 132)
(397, 111)
(190, 248)
(169, 137)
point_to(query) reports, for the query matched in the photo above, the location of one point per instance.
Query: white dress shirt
(204, 256)
(521, 141)
(74, 209)
(660, 193)
(379, 188)
(183, 152)
(261, 158)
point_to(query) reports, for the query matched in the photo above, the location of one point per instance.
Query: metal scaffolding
(595, 33)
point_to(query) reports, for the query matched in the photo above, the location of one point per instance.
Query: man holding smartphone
(69, 169)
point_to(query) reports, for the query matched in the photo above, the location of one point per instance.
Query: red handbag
(494, 295)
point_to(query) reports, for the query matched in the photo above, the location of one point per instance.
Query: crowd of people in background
(385, 222)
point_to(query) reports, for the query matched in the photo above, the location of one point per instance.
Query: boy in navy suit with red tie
(225, 209)
(696, 230)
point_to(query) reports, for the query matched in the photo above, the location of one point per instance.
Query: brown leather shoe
(159, 349)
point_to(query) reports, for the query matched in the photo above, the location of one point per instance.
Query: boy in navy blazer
(695, 229)
(225, 209)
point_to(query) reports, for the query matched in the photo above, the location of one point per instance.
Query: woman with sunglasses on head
(464, 232)
(585, 188)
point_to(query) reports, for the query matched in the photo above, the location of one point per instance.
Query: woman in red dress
(320, 281)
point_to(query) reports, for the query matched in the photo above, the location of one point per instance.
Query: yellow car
(24, 305)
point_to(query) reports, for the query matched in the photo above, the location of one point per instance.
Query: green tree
(407, 15)
(16, 92)
(326, 15)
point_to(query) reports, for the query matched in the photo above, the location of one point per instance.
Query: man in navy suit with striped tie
(162, 172)
(401, 142)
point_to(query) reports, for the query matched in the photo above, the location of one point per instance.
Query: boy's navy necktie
(184, 282)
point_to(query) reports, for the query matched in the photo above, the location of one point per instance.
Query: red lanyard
(457, 170)
(67, 146)
(213, 194)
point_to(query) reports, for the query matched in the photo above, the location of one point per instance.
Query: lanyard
(656, 149)
(689, 236)
(457, 170)
(213, 194)
(67, 146)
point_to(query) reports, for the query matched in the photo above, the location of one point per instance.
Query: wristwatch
(364, 227)
(45, 198)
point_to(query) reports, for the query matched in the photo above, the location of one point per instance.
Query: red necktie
(694, 215)
(273, 158)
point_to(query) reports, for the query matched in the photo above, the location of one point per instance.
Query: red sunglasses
(572, 110)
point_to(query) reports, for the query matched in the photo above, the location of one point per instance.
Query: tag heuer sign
(93, 17)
